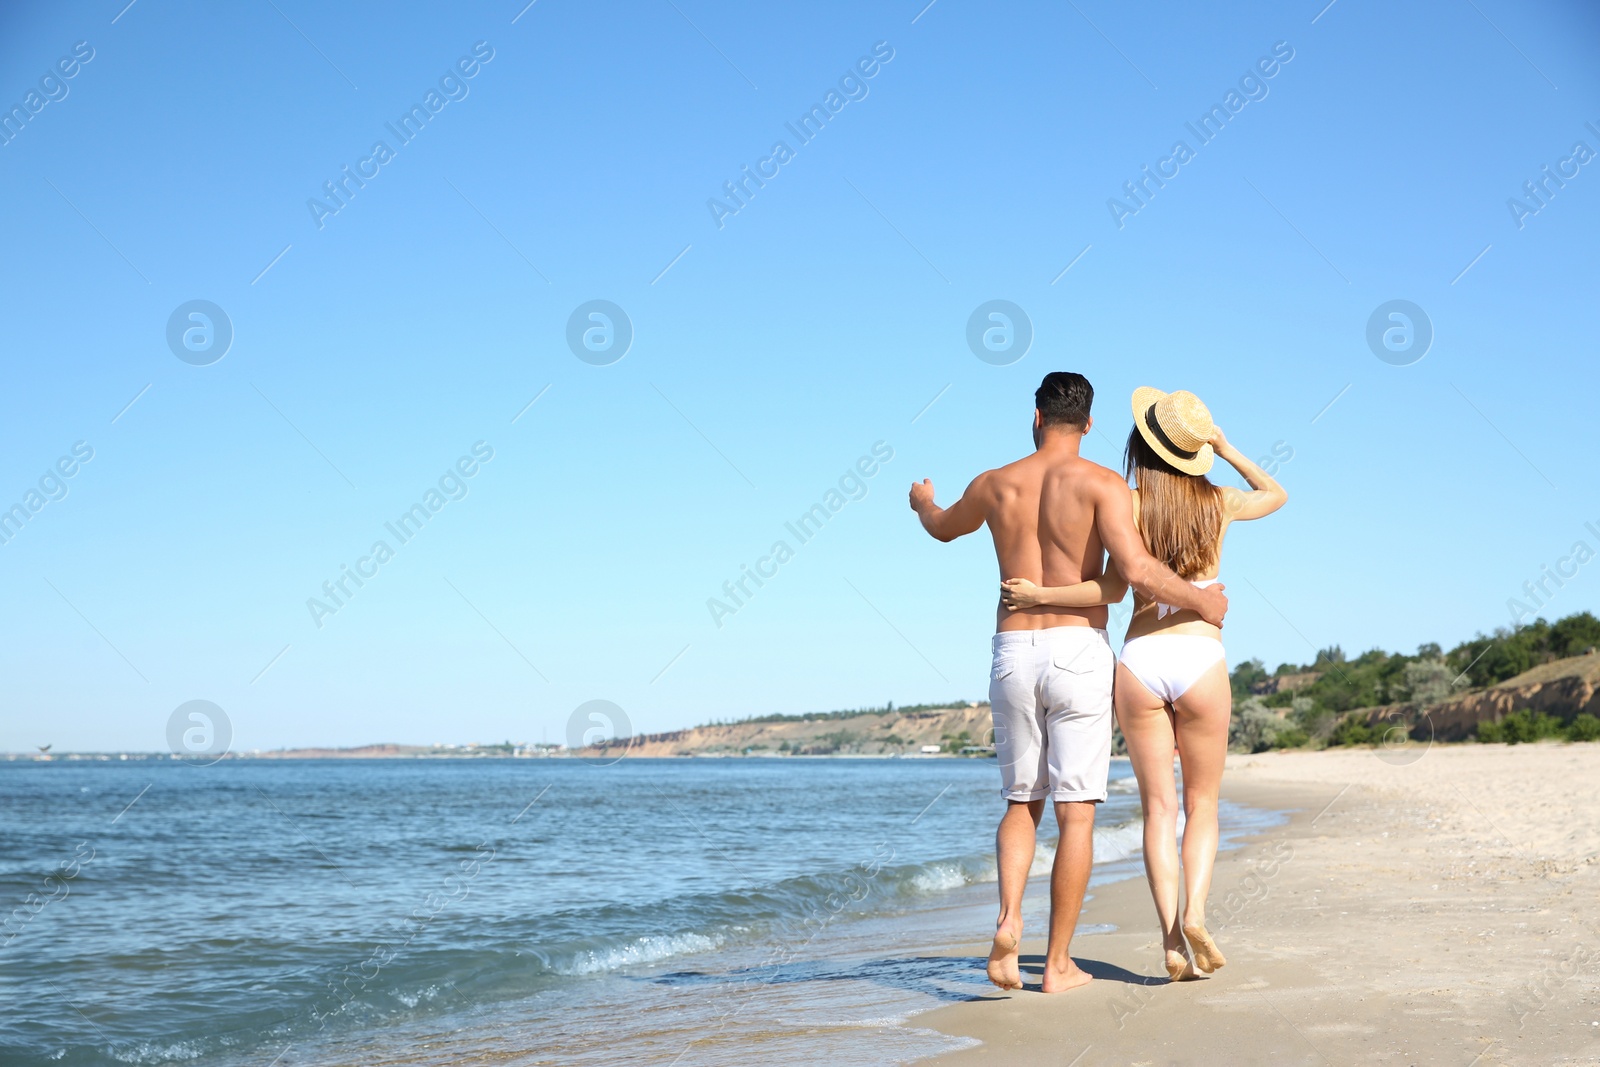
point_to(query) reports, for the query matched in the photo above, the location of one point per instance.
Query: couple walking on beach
(1054, 517)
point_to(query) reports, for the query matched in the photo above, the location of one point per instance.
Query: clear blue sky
(577, 164)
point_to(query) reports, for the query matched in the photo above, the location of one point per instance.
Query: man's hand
(960, 518)
(1214, 605)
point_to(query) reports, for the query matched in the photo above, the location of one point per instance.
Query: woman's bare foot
(1179, 967)
(1207, 956)
(1003, 969)
(1061, 979)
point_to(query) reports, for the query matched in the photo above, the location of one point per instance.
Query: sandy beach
(1421, 906)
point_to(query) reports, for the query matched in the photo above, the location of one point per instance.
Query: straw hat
(1177, 425)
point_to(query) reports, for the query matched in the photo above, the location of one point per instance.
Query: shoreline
(1391, 919)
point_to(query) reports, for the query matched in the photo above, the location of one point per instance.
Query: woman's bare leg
(1147, 728)
(1014, 845)
(1202, 715)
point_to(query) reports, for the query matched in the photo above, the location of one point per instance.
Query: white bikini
(1168, 664)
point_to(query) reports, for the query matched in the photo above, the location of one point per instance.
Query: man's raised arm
(1113, 515)
(962, 517)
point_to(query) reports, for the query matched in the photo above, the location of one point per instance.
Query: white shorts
(1050, 695)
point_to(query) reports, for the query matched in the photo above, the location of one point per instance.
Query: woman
(1172, 687)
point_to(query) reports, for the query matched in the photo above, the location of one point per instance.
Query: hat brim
(1200, 463)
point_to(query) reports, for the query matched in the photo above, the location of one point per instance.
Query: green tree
(1244, 676)
(1575, 634)
(1428, 681)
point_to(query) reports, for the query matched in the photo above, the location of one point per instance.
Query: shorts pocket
(1002, 668)
(1086, 660)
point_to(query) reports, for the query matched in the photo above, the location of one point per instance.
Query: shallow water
(506, 911)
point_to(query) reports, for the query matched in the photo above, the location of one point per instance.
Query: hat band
(1161, 435)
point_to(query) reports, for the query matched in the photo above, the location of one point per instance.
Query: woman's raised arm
(1266, 495)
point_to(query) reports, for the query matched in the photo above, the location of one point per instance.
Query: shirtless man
(1053, 516)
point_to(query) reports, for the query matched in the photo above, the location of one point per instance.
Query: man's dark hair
(1064, 399)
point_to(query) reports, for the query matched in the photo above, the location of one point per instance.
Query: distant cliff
(1564, 689)
(880, 733)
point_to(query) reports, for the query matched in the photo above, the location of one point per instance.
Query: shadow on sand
(949, 979)
(1032, 968)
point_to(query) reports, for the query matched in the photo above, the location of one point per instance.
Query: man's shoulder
(1102, 476)
(1016, 470)
(1088, 474)
(1035, 469)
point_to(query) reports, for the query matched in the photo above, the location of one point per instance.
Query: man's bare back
(1041, 516)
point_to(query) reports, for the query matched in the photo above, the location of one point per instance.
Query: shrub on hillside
(1376, 678)
(1256, 728)
(1354, 732)
(1584, 728)
(1520, 727)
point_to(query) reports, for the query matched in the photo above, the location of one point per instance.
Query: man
(1053, 516)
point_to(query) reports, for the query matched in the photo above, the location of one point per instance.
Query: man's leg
(1024, 777)
(1014, 846)
(1077, 692)
(1069, 878)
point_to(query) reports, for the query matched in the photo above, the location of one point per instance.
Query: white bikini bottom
(1168, 664)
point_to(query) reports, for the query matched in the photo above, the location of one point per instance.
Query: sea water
(689, 911)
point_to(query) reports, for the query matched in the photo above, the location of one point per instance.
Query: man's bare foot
(1003, 969)
(1179, 967)
(1059, 980)
(1207, 956)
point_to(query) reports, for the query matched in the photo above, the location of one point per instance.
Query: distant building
(931, 750)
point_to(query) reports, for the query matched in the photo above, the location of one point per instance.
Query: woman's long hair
(1180, 514)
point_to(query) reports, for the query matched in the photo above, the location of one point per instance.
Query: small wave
(154, 1052)
(1111, 843)
(794, 902)
(411, 1000)
(877, 1022)
(937, 876)
(1118, 842)
(640, 950)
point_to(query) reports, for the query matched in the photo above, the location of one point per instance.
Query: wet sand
(1421, 906)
